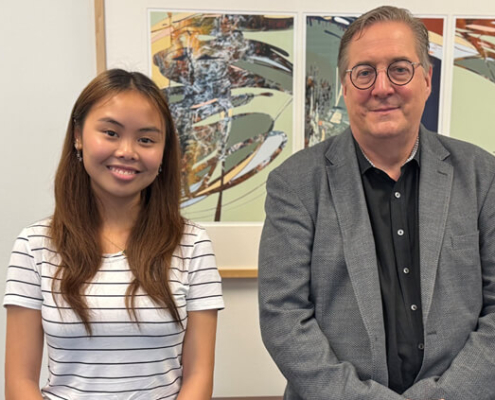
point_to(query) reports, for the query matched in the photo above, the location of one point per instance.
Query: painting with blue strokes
(229, 82)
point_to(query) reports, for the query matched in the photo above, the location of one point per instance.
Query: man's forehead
(383, 29)
(393, 40)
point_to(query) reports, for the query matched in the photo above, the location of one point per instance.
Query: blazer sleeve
(289, 329)
(471, 375)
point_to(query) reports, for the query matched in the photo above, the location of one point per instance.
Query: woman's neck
(118, 219)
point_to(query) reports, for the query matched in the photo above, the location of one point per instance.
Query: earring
(78, 152)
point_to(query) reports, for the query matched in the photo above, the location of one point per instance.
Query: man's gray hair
(385, 14)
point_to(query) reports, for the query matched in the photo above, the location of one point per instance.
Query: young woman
(123, 289)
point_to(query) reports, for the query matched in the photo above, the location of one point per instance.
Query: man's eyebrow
(395, 59)
(150, 128)
(403, 58)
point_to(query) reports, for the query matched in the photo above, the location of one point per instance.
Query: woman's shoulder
(196, 238)
(39, 230)
(193, 228)
(41, 226)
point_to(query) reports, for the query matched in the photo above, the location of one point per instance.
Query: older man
(377, 259)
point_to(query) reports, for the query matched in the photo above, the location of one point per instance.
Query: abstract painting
(229, 82)
(473, 89)
(325, 111)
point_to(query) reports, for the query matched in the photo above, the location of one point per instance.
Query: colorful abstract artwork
(473, 89)
(325, 111)
(229, 82)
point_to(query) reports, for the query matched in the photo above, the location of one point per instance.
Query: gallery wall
(47, 55)
(47, 49)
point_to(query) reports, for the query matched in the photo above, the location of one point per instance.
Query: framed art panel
(325, 111)
(473, 85)
(229, 81)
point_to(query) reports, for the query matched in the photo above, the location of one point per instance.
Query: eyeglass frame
(414, 65)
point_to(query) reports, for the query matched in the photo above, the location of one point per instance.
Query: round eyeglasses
(400, 73)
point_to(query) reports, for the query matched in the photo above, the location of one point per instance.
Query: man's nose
(383, 85)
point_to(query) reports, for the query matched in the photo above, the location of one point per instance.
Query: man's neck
(389, 155)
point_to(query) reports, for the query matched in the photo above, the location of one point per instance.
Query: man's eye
(364, 73)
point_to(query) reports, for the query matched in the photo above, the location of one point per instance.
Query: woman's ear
(77, 139)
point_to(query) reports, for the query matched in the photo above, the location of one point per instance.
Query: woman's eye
(110, 133)
(146, 140)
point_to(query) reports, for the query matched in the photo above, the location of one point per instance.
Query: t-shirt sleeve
(205, 283)
(23, 285)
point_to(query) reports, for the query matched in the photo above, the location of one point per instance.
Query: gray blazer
(320, 303)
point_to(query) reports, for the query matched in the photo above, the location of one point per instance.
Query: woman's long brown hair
(76, 222)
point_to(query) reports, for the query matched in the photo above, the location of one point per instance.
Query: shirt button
(400, 232)
(421, 346)
(405, 270)
(414, 307)
(397, 195)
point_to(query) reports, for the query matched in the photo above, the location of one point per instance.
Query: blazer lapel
(359, 247)
(435, 187)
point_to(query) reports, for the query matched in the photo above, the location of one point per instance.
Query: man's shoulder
(308, 160)
(462, 153)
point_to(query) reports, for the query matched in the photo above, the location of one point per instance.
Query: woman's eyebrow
(150, 128)
(112, 121)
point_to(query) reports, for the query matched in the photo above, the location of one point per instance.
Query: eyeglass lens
(399, 72)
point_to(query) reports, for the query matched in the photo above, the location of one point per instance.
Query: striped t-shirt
(121, 360)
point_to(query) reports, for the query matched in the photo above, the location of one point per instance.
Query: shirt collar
(365, 164)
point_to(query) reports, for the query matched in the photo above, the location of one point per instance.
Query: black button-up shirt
(393, 211)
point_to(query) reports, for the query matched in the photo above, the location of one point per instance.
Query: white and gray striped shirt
(121, 360)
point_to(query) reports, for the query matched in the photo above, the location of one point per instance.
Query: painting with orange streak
(325, 110)
(473, 84)
(229, 82)
(475, 46)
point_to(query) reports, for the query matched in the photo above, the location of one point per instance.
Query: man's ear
(344, 88)
(428, 76)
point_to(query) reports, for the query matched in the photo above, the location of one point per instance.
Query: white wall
(47, 55)
(243, 367)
